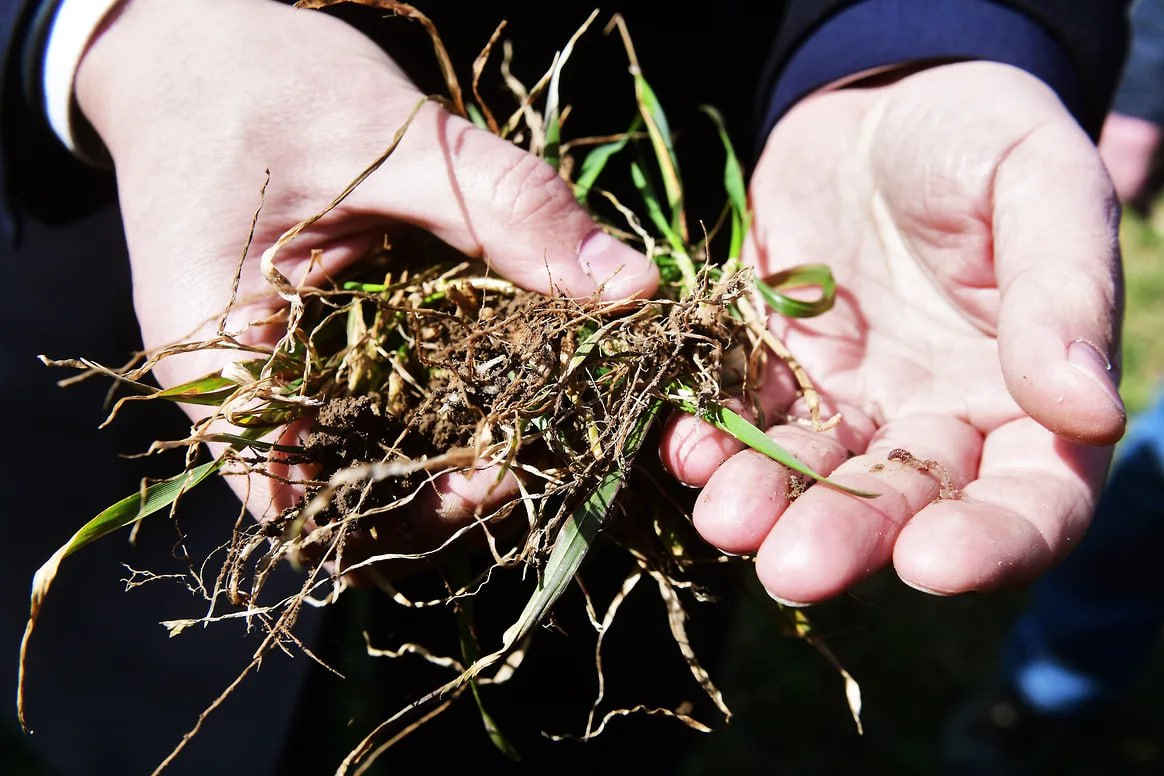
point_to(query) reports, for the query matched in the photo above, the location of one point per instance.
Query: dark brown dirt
(486, 364)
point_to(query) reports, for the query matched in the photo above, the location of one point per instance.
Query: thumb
(1058, 263)
(486, 197)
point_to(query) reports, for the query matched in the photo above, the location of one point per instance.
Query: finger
(455, 500)
(745, 496)
(829, 540)
(1057, 258)
(692, 449)
(459, 497)
(425, 527)
(1032, 501)
(489, 198)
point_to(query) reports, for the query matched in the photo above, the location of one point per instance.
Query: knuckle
(530, 191)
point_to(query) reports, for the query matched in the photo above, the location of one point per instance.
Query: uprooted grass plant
(426, 364)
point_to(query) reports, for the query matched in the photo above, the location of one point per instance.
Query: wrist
(153, 62)
(205, 72)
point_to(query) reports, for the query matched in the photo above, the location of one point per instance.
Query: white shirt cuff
(72, 28)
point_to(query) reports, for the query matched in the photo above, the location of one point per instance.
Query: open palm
(972, 231)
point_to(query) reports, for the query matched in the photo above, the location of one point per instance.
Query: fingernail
(923, 589)
(786, 602)
(618, 270)
(1087, 358)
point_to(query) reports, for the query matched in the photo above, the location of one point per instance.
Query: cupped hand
(972, 231)
(196, 100)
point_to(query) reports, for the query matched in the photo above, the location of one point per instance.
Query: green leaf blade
(803, 276)
(134, 507)
(129, 510)
(739, 427)
(734, 185)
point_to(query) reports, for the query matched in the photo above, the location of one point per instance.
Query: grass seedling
(426, 364)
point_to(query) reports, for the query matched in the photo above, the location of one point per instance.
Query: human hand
(972, 232)
(195, 100)
(1129, 147)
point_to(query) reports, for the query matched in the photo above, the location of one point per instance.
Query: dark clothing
(108, 691)
(1075, 45)
(1056, 41)
(1141, 89)
(105, 693)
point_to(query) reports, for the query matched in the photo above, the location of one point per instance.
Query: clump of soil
(550, 387)
(450, 369)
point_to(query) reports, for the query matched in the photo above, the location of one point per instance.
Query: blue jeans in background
(1094, 620)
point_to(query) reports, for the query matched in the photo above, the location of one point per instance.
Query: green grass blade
(575, 539)
(593, 165)
(211, 390)
(459, 572)
(805, 275)
(596, 160)
(734, 185)
(655, 212)
(570, 549)
(653, 206)
(503, 744)
(659, 219)
(660, 133)
(133, 508)
(129, 510)
(371, 288)
(587, 345)
(475, 116)
(739, 427)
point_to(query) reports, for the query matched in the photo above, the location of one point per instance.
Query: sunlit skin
(975, 251)
(1130, 148)
(967, 219)
(195, 101)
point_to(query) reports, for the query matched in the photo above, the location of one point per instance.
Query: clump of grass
(426, 364)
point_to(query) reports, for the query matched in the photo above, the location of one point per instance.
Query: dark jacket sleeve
(37, 173)
(15, 19)
(1076, 46)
